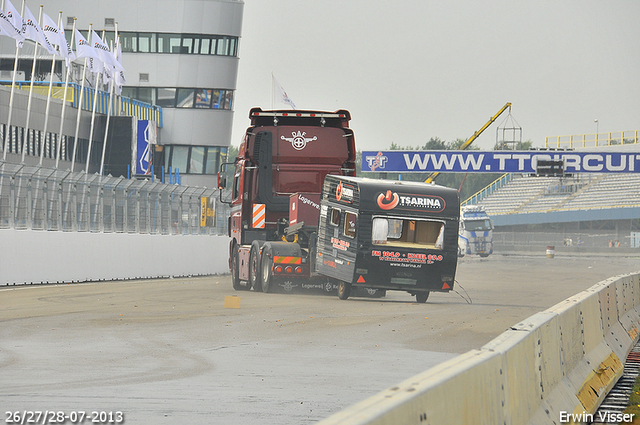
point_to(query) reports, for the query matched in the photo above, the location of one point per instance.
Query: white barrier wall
(41, 257)
(560, 362)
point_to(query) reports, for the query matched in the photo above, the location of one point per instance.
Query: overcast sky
(411, 70)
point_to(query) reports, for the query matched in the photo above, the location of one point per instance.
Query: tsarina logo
(388, 201)
(391, 200)
(344, 193)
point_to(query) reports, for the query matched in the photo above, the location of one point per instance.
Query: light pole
(596, 121)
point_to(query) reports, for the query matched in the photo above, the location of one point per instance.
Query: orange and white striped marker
(259, 216)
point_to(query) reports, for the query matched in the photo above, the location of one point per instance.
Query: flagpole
(46, 110)
(25, 145)
(11, 96)
(93, 112)
(64, 98)
(75, 138)
(106, 131)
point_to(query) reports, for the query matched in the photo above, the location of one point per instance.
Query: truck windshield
(405, 233)
(476, 225)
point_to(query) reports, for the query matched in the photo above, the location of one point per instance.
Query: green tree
(518, 146)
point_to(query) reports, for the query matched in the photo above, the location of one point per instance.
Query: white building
(181, 55)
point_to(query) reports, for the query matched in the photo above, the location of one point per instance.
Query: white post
(75, 137)
(64, 99)
(93, 116)
(46, 110)
(106, 131)
(13, 83)
(25, 146)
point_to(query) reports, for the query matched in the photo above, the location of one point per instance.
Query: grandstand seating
(525, 194)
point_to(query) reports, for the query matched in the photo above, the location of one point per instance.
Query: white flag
(281, 96)
(32, 31)
(120, 78)
(56, 37)
(103, 52)
(11, 23)
(84, 50)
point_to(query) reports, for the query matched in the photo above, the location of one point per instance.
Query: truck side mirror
(222, 181)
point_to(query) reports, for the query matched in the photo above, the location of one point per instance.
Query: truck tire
(344, 290)
(255, 267)
(266, 275)
(421, 297)
(235, 274)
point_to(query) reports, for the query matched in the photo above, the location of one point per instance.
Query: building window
(166, 97)
(185, 44)
(170, 97)
(184, 99)
(193, 159)
(146, 43)
(179, 158)
(203, 98)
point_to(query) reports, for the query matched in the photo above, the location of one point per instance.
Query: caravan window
(405, 233)
(350, 224)
(335, 217)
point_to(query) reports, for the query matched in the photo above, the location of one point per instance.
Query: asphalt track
(168, 352)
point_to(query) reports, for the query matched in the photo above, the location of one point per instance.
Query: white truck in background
(476, 232)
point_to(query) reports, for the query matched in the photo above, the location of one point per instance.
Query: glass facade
(193, 159)
(185, 44)
(172, 97)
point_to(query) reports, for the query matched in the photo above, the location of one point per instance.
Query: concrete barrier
(47, 257)
(556, 366)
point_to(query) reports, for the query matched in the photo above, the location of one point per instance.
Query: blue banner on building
(497, 161)
(144, 149)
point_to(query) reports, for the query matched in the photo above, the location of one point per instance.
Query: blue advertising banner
(497, 161)
(144, 154)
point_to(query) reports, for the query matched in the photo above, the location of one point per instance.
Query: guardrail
(120, 105)
(38, 198)
(488, 190)
(554, 367)
(592, 140)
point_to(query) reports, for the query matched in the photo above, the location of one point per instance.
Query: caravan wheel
(421, 297)
(344, 290)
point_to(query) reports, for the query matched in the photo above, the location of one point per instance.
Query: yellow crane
(477, 134)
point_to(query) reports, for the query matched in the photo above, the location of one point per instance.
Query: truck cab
(476, 232)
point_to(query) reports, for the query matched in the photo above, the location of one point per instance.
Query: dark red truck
(300, 217)
(282, 163)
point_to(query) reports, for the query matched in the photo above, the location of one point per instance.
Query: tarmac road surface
(168, 352)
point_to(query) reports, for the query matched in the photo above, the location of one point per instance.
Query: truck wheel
(235, 275)
(267, 268)
(344, 290)
(255, 267)
(484, 255)
(421, 297)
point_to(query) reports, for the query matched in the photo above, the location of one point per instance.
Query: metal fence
(576, 238)
(37, 198)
